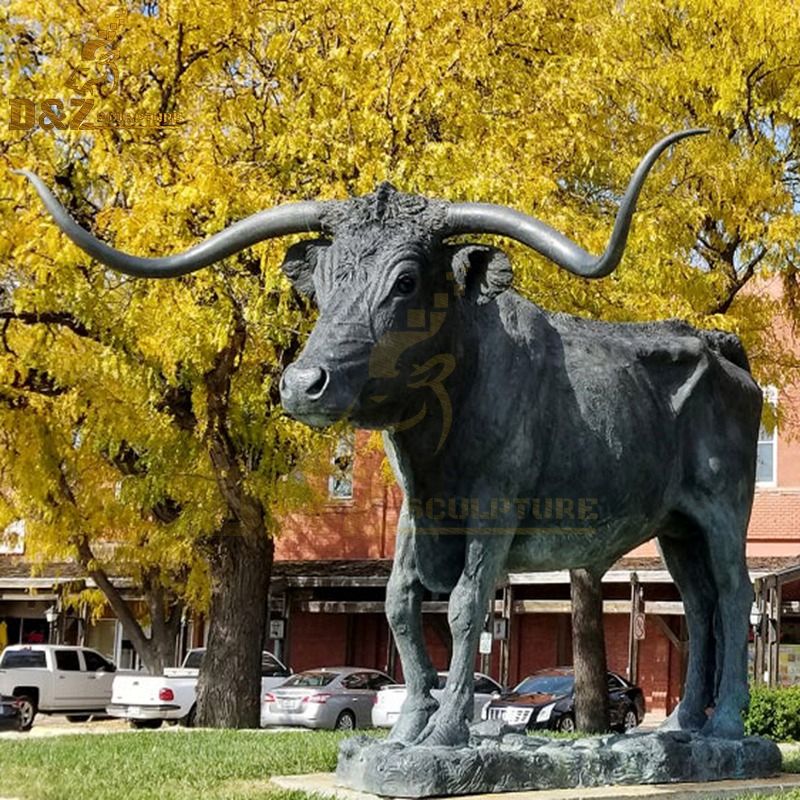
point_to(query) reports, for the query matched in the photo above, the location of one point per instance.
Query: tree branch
(176, 400)
(221, 448)
(61, 318)
(738, 284)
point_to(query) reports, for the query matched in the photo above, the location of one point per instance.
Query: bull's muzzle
(303, 392)
(303, 384)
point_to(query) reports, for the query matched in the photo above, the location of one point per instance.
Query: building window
(340, 482)
(766, 460)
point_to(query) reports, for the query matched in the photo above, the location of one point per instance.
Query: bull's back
(640, 411)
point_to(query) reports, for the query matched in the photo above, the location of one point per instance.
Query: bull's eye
(405, 284)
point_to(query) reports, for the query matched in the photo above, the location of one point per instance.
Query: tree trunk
(589, 652)
(229, 690)
(240, 566)
(156, 651)
(163, 643)
(165, 624)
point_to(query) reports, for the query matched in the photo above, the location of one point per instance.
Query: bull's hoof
(448, 731)
(412, 722)
(681, 719)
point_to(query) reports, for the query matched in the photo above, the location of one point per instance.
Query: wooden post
(486, 658)
(505, 644)
(778, 603)
(633, 642)
(758, 643)
(772, 654)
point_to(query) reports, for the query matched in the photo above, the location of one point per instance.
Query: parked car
(546, 699)
(56, 679)
(390, 698)
(146, 701)
(339, 698)
(10, 717)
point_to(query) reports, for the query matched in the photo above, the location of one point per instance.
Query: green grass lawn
(162, 765)
(177, 765)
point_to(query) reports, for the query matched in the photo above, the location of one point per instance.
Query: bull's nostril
(315, 389)
(298, 383)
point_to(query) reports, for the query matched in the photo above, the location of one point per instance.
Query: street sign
(500, 629)
(276, 628)
(638, 625)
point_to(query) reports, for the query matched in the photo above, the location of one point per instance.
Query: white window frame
(771, 397)
(12, 539)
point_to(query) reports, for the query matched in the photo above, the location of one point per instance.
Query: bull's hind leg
(404, 612)
(725, 537)
(686, 556)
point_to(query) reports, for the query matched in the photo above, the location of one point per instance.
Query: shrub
(774, 713)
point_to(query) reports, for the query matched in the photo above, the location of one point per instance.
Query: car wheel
(630, 720)
(146, 724)
(346, 721)
(566, 724)
(27, 712)
(75, 718)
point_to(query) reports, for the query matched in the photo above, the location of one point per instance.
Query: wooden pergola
(766, 617)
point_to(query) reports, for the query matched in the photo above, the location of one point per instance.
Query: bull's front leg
(485, 560)
(404, 612)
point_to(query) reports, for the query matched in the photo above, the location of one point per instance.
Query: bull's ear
(480, 272)
(301, 261)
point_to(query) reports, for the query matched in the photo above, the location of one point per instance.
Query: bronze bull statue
(494, 408)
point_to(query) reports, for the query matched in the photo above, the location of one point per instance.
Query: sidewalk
(651, 721)
(324, 783)
(46, 726)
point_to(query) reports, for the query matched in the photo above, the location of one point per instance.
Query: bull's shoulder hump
(671, 356)
(623, 334)
(517, 315)
(667, 341)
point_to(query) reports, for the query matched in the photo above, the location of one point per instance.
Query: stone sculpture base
(502, 760)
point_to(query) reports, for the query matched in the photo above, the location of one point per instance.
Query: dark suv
(546, 699)
(10, 719)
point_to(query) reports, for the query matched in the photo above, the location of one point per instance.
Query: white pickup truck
(148, 700)
(56, 679)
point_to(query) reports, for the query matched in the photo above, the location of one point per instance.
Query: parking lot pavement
(46, 726)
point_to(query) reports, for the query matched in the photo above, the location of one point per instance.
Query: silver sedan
(338, 698)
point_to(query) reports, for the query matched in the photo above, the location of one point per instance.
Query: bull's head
(384, 279)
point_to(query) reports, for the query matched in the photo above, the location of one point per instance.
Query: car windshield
(23, 659)
(546, 684)
(194, 659)
(311, 679)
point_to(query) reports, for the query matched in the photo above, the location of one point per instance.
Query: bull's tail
(728, 346)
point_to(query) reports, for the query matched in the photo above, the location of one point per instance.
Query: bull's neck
(495, 379)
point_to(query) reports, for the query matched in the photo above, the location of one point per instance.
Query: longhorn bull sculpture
(494, 408)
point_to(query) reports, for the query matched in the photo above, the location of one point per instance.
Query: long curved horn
(303, 217)
(489, 218)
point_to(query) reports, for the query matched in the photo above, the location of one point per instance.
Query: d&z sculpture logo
(52, 113)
